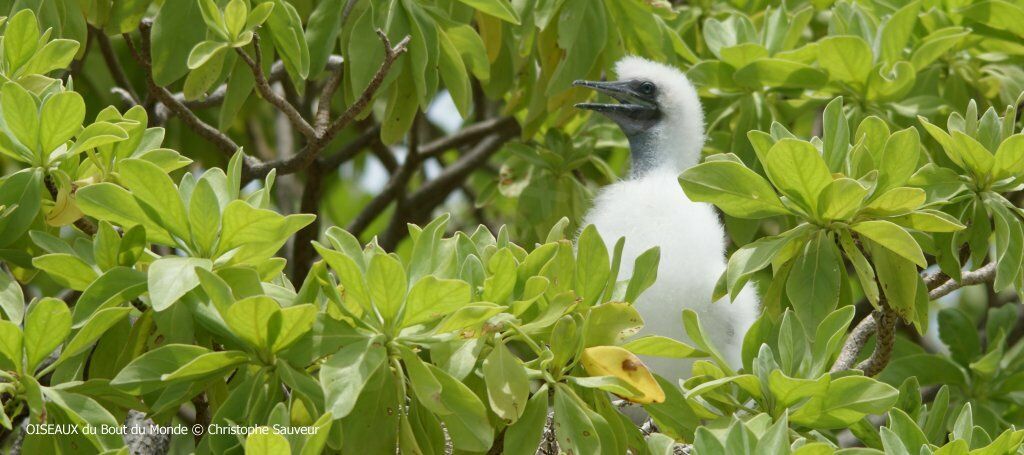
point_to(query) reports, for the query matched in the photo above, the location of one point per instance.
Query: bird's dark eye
(646, 88)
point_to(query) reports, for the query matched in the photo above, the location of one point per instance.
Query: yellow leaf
(619, 363)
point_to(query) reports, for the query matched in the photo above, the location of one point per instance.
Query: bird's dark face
(637, 109)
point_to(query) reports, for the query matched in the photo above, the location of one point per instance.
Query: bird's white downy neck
(675, 143)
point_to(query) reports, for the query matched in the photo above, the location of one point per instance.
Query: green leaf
(645, 272)
(388, 284)
(841, 199)
(206, 365)
(897, 31)
(847, 400)
(432, 298)
(251, 320)
(170, 278)
(11, 343)
(59, 119)
(896, 201)
(929, 221)
(47, 324)
(204, 217)
(975, 156)
(523, 437)
(115, 286)
(255, 234)
(865, 273)
(346, 373)
(1009, 159)
(454, 74)
(892, 237)
(592, 266)
(235, 14)
(696, 333)
(66, 269)
(813, 283)
(997, 14)
(836, 137)
(500, 9)
(798, 171)
(424, 384)
(847, 58)
(508, 387)
(899, 159)
(110, 202)
(20, 112)
(735, 189)
(22, 191)
(203, 52)
(467, 425)
(322, 31)
(96, 135)
(57, 54)
(296, 321)
(93, 329)
(144, 373)
(573, 429)
(779, 73)
(659, 346)
(898, 278)
(157, 195)
(286, 30)
(12, 300)
(266, 443)
(21, 39)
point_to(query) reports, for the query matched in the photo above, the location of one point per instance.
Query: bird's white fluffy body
(651, 210)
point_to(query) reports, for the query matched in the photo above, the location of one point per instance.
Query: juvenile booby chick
(660, 113)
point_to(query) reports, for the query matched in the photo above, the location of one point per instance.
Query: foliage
(162, 259)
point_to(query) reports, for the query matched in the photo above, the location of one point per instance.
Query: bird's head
(659, 111)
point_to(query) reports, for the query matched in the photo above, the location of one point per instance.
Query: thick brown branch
(886, 329)
(381, 201)
(885, 334)
(263, 86)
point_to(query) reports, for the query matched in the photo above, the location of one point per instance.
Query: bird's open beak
(630, 106)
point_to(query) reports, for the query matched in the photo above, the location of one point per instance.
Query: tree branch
(114, 64)
(268, 93)
(885, 330)
(983, 275)
(308, 154)
(220, 140)
(468, 135)
(391, 53)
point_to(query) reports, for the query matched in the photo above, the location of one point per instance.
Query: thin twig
(307, 155)
(323, 108)
(391, 53)
(983, 275)
(467, 135)
(263, 86)
(220, 140)
(114, 64)
(421, 203)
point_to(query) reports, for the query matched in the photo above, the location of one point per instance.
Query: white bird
(660, 113)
